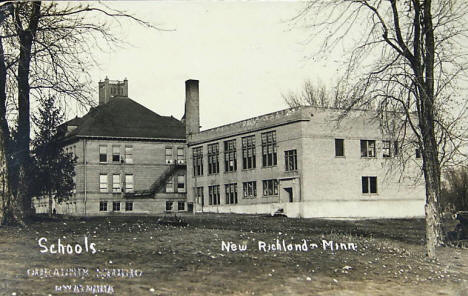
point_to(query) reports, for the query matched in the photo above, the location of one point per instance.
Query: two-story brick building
(303, 161)
(129, 159)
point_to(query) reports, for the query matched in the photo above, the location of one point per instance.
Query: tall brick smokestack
(192, 107)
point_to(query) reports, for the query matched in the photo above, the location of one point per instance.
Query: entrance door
(289, 191)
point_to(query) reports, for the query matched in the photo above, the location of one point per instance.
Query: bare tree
(44, 47)
(317, 95)
(408, 58)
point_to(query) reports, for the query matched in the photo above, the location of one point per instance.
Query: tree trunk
(23, 207)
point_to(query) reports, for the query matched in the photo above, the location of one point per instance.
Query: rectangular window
(103, 206)
(367, 148)
(199, 195)
(250, 189)
(386, 150)
(270, 187)
(129, 206)
(169, 185)
(128, 154)
(248, 153)
(169, 156)
(418, 153)
(269, 155)
(180, 153)
(129, 183)
(116, 154)
(116, 206)
(230, 159)
(103, 183)
(181, 183)
(369, 185)
(213, 159)
(181, 206)
(213, 195)
(102, 153)
(116, 183)
(231, 193)
(339, 147)
(168, 206)
(290, 158)
(197, 161)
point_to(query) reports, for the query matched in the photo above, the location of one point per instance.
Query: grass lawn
(152, 256)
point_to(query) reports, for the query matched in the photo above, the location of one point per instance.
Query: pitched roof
(124, 118)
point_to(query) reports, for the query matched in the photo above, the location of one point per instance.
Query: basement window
(103, 206)
(128, 206)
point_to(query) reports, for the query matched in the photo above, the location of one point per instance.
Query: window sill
(268, 167)
(292, 171)
(266, 196)
(249, 169)
(368, 157)
(342, 157)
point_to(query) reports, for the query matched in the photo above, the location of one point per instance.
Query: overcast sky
(245, 54)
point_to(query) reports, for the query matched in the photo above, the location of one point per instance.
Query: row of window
(116, 154)
(116, 183)
(368, 149)
(127, 156)
(249, 189)
(180, 206)
(270, 187)
(249, 160)
(115, 206)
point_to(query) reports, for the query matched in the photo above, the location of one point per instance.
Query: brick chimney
(192, 107)
(112, 88)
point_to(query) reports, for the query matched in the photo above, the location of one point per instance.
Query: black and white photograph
(315, 147)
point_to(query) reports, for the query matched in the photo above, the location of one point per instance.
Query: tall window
(269, 157)
(386, 150)
(270, 187)
(396, 148)
(197, 161)
(180, 153)
(168, 205)
(250, 189)
(181, 183)
(103, 206)
(116, 183)
(213, 195)
(102, 153)
(116, 206)
(213, 159)
(369, 185)
(290, 158)
(169, 185)
(115, 153)
(230, 161)
(231, 193)
(129, 206)
(199, 195)
(128, 154)
(339, 147)
(169, 156)
(103, 183)
(129, 183)
(367, 148)
(248, 152)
